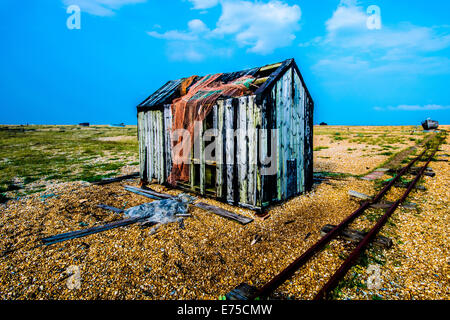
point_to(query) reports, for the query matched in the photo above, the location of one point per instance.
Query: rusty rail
(279, 279)
(348, 263)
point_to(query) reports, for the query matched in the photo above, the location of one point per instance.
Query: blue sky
(126, 49)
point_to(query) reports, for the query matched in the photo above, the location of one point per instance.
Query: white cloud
(347, 15)
(190, 45)
(195, 51)
(261, 27)
(403, 49)
(101, 7)
(204, 4)
(405, 107)
(196, 28)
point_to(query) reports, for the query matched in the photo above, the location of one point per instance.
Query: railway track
(244, 291)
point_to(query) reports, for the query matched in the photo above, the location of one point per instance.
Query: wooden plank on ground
(357, 236)
(85, 232)
(106, 207)
(224, 213)
(150, 192)
(116, 179)
(141, 193)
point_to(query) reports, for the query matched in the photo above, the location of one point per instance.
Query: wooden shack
(274, 118)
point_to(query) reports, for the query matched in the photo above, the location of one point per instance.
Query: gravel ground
(417, 267)
(360, 149)
(211, 255)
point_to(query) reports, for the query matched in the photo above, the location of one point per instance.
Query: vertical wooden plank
(155, 144)
(149, 145)
(229, 147)
(152, 143)
(280, 147)
(296, 126)
(202, 157)
(252, 149)
(220, 139)
(161, 146)
(214, 139)
(256, 175)
(168, 140)
(141, 146)
(158, 143)
(286, 109)
(192, 171)
(258, 145)
(301, 110)
(263, 147)
(242, 153)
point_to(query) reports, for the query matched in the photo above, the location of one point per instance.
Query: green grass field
(31, 157)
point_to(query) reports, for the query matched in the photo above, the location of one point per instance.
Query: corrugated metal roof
(171, 90)
(163, 95)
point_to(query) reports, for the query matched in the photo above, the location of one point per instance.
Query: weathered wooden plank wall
(293, 119)
(299, 118)
(152, 151)
(249, 120)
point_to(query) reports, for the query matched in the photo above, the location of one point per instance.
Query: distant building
(269, 97)
(323, 124)
(84, 124)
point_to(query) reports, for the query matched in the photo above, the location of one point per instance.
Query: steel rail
(279, 279)
(348, 263)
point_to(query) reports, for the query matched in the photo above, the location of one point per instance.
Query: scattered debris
(163, 211)
(359, 195)
(73, 277)
(243, 291)
(181, 223)
(256, 239)
(154, 230)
